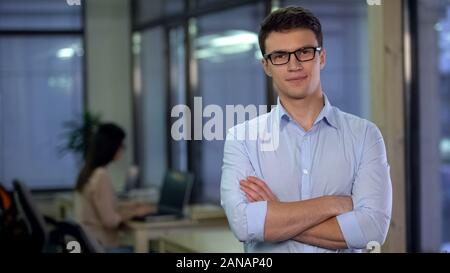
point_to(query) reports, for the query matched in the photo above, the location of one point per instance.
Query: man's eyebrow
(284, 51)
(279, 51)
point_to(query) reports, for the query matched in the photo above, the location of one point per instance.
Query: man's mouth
(296, 79)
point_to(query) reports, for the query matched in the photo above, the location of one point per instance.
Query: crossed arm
(311, 221)
(332, 222)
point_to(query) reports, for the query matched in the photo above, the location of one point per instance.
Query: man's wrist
(337, 205)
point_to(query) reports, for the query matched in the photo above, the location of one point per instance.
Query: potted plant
(78, 134)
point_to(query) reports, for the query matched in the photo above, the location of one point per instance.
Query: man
(325, 186)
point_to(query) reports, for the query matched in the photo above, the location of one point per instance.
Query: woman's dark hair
(101, 151)
(286, 19)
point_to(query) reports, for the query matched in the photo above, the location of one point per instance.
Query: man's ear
(265, 65)
(323, 58)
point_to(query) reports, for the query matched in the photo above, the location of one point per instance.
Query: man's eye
(279, 56)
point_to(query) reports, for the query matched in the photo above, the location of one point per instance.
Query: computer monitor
(174, 197)
(175, 192)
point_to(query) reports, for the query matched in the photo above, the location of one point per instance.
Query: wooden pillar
(387, 95)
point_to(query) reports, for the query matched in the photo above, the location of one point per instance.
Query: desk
(144, 232)
(201, 240)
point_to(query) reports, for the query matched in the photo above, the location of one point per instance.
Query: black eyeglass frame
(316, 49)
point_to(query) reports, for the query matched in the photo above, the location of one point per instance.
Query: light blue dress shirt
(341, 155)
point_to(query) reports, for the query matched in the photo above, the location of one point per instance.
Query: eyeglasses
(303, 54)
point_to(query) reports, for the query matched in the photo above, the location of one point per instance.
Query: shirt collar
(282, 114)
(326, 113)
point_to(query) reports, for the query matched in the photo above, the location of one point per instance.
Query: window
(151, 99)
(442, 28)
(178, 95)
(39, 15)
(229, 73)
(41, 84)
(434, 105)
(219, 75)
(145, 11)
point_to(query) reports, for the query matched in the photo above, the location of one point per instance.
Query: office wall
(108, 70)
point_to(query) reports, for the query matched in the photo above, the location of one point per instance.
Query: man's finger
(249, 191)
(249, 198)
(259, 182)
(257, 188)
(252, 194)
(260, 189)
(263, 186)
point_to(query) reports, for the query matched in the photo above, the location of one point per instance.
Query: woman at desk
(96, 205)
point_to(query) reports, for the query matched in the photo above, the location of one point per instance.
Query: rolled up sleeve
(246, 219)
(371, 195)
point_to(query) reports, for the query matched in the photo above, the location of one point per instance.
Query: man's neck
(304, 111)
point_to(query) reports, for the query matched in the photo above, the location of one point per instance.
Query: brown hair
(286, 19)
(102, 149)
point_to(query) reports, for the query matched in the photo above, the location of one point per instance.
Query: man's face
(294, 80)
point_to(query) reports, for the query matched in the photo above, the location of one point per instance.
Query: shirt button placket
(305, 165)
(306, 176)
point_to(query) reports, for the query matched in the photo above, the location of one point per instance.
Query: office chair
(14, 236)
(66, 231)
(27, 211)
(43, 239)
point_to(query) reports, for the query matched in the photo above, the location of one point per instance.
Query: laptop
(174, 197)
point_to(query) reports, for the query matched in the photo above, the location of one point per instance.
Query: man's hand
(257, 190)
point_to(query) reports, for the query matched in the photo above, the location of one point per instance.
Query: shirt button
(305, 171)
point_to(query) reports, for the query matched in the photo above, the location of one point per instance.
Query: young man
(325, 186)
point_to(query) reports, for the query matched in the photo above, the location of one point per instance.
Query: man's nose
(294, 64)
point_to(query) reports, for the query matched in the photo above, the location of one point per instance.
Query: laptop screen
(175, 192)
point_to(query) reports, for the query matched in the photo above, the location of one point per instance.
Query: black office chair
(67, 231)
(27, 211)
(13, 231)
(45, 233)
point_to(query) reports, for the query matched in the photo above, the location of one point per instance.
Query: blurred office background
(131, 61)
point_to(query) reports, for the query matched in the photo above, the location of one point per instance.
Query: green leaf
(78, 133)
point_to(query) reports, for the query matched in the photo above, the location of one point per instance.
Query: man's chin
(296, 95)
